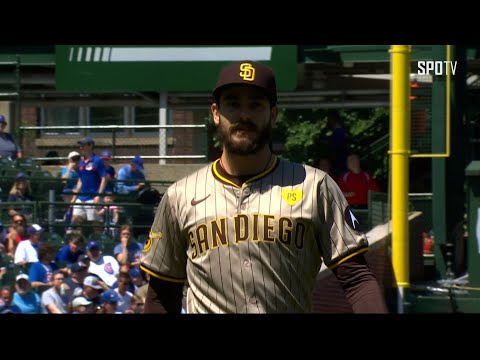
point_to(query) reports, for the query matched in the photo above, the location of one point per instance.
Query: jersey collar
(239, 181)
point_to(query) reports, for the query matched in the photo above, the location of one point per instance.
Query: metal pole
(114, 145)
(400, 151)
(162, 114)
(51, 209)
(18, 115)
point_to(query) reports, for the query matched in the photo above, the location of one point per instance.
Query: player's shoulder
(310, 172)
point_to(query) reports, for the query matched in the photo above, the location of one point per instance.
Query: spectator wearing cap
(84, 260)
(69, 253)
(20, 192)
(27, 300)
(55, 299)
(106, 267)
(106, 156)
(69, 172)
(77, 273)
(81, 305)
(40, 273)
(130, 181)
(90, 185)
(109, 300)
(26, 251)
(138, 278)
(91, 289)
(131, 177)
(9, 147)
(6, 296)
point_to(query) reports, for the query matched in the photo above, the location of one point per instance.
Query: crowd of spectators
(80, 275)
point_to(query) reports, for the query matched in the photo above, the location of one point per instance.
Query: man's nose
(245, 114)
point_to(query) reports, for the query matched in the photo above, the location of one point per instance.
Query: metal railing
(115, 128)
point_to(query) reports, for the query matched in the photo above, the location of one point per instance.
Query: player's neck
(238, 165)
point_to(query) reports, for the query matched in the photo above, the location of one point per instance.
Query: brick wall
(329, 297)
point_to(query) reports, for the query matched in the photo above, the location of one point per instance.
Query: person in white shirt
(26, 251)
(106, 267)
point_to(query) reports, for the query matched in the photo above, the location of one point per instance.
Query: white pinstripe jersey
(255, 248)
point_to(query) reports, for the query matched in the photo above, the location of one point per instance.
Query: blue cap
(34, 229)
(135, 272)
(109, 296)
(86, 140)
(93, 245)
(2, 119)
(105, 154)
(20, 176)
(138, 162)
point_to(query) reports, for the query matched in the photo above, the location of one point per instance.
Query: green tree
(304, 136)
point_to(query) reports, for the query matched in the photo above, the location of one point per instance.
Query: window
(146, 116)
(60, 116)
(101, 116)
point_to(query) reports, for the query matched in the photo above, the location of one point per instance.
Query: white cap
(81, 300)
(21, 276)
(72, 154)
(92, 281)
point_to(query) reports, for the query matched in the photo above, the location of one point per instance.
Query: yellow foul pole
(400, 152)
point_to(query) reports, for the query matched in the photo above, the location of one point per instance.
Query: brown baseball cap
(248, 73)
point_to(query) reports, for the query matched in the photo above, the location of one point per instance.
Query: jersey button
(246, 263)
(243, 207)
(252, 300)
(246, 191)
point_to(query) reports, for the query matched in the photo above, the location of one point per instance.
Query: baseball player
(248, 233)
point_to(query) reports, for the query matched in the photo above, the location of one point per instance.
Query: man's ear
(215, 113)
(273, 114)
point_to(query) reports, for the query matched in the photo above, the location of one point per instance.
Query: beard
(247, 145)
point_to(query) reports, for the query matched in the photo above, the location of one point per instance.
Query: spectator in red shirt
(356, 183)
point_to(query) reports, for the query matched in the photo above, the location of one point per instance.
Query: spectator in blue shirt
(71, 252)
(128, 251)
(69, 172)
(8, 145)
(27, 300)
(6, 295)
(40, 273)
(128, 176)
(91, 184)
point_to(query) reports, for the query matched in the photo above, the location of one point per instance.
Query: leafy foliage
(304, 135)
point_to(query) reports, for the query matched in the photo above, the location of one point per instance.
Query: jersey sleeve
(164, 254)
(341, 238)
